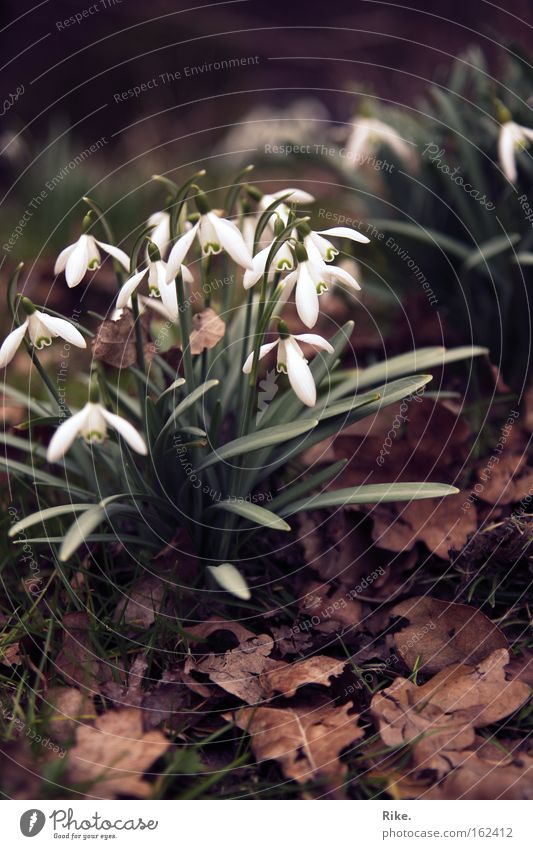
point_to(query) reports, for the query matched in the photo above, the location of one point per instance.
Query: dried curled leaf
(440, 716)
(286, 678)
(305, 739)
(237, 671)
(113, 755)
(440, 633)
(114, 343)
(207, 330)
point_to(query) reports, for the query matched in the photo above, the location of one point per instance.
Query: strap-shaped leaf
(48, 513)
(378, 493)
(254, 513)
(277, 435)
(187, 402)
(83, 526)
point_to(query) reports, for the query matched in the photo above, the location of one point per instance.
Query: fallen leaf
(286, 678)
(481, 777)
(77, 661)
(305, 739)
(439, 717)
(328, 611)
(67, 707)
(237, 671)
(207, 330)
(115, 342)
(442, 524)
(440, 633)
(504, 480)
(142, 603)
(111, 757)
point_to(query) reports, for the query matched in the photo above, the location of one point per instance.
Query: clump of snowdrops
(178, 439)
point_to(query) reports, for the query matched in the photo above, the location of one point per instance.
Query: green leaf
(175, 385)
(86, 524)
(292, 493)
(379, 493)
(187, 402)
(48, 513)
(490, 249)
(423, 234)
(277, 435)
(253, 512)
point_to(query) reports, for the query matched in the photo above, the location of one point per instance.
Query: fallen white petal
(231, 580)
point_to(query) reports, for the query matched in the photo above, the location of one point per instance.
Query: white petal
(11, 344)
(263, 351)
(253, 274)
(129, 288)
(231, 580)
(169, 299)
(116, 253)
(299, 374)
(506, 151)
(315, 340)
(527, 132)
(77, 263)
(160, 235)
(345, 233)
(186, 274)
(66, 434)
(296, 196)
(127, 431)
(334, 272)
(61, 261)
(307, 305)
(231, 239)
(63, 328)
(179, 252)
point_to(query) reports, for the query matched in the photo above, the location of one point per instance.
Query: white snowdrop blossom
(159, 285)
(291, 361)
(231, 580)
(282, 211)
(513, 137)
(283, 260)
(310, 279)
(91, 423)
(41, 329)
(84, 255)
(160, 235)
(368, 134)
(215, 234)
(317, 246)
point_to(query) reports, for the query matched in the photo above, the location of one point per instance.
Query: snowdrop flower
(159, 284)
(143, 304)
(214, 234)
(231, 580)
(41, 329)
(297, 196)
(311, 278)
(292, 362)
(91, 423)
(169, 295)
(282, 261)
(320, 248)
(160, 235)
(366, 137)
(83, 255)
(512, 137)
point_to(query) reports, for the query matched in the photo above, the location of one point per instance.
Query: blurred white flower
(292, 362)
(231, 580)
(512, 137)
(368, 134)
(160, 235)
(91, 423)
(41, 329)
(83, 255)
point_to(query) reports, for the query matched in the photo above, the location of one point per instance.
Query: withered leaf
(77, 660)
(207, 330)
(442, 524)
(440, 633)
(444, 712)
(141, 604)
(67, 707)
(114, 343)
(237, 671)
(286, 678)
(306, 739)
(481, 777)
(112, 755)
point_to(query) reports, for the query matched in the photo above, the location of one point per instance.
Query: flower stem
(138, 332)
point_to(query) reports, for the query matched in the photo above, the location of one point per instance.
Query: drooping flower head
(41, 329)
(84, 255)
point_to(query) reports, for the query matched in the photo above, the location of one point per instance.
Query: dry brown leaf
(440, 523)
(113, 755)
(237, 671)
(521, 667)
(66, 708)
(478, 777)
(141, 604)
(77, 661)
(207, 330)
(328, 611)
(440, 633)
(10, 655)
(507, 481)
(305, 739)
(286, 678)
(115, 345)
(444, 712)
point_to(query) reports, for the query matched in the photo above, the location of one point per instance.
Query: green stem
(185, 327)
(138, 332)
(46, 378)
